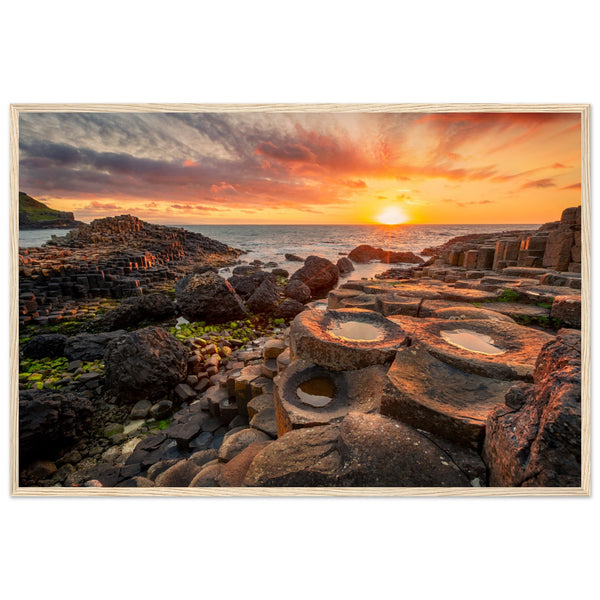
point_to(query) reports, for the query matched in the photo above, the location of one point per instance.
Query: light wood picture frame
(583, 110)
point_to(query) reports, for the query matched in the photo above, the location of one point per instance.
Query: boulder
(293, 258)
(179, 475)
(363, 450)
(266, 297)
(90, 346)
(233, 473)
(153, 307)
(539, 443)
(206, 477)
(319, 274)
(50, 421)
(280, 273)
(296, 290)
(236, 442)
(48, 345)
(145, 364)
(345, 265)
(288, 309)
(364, 253)
(208, 297)
(244, 285)
(389, 257)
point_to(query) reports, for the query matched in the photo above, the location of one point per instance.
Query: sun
(392, 215)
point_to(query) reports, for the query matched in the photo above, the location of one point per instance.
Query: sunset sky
(191, 168)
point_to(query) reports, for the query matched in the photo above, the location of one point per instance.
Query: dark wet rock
(179, 475)
(266, 297)
(208, 297)
(184, 433)
(140, 410)
(50, 421)
(202, 441)
(90, 346)
(539, 444)
(161, 410)
(244, 285)
(273, 348)
(518, 394)
(233, 472)
(236, 442)
(280, 273)
(159, 467)
(51, 345)
(145, 364)
(319, 274)
(153, 307)
(296, 290)
(345, 266)
(293, 258)
(288, 309)
(364, 450)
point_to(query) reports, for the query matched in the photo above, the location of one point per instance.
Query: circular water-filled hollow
(306, 395)
(489, 348)
(472, 341)
(345, 339)
(316, 392)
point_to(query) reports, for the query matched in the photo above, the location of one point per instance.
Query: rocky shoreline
(142, 367)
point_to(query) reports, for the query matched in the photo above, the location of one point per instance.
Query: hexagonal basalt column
(436, 397)
(307, 395)
(483, 347)
(345, 339)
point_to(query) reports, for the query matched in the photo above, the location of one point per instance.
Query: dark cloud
(573, 186)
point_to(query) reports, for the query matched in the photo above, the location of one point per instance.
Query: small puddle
(471, 341)
(357, 331)
(317, 392)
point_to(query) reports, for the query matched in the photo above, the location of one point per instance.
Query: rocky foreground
(463, 371)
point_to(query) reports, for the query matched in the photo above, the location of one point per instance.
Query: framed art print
(300, 299)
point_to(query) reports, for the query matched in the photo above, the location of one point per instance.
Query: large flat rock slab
(344, 339)
(429, 394)
(482, 347)
(307, 395)
(364, 450)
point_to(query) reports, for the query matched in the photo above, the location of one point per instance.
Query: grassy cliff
(36, 215)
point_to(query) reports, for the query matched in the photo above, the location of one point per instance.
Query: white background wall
(510, 51)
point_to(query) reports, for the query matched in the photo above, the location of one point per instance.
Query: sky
(304, 168)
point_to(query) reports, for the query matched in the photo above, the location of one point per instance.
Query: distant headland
(34, 214)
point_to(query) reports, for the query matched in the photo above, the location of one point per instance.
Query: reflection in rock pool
(471, 341)
(357, 331)
(317, 392)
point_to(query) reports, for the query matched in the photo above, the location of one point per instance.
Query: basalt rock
(50, 421)
(266, 297)
(539, 444)
(90, 346)
(345, 265)
(51, 345)
(296, 290)
(208, 297)
(145, 364)
(350, 454)
(319, 274)
(153, 307)
(288, 309)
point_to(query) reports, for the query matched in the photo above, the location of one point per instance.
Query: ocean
(272, 242)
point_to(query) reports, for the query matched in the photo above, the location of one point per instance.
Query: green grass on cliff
(36, 211)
